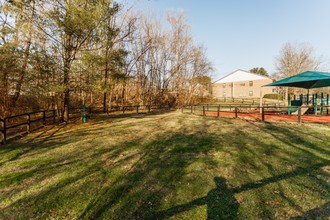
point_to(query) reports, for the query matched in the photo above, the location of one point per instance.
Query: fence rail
(253, 101)
(25, 119)
(30, 118)
(294, 113)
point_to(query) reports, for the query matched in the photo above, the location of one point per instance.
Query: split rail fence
(264, 113)
(25, 123)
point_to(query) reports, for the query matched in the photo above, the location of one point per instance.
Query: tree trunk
(110, 99)
(66, 105)
(19, 83)
(23, 70)
(105, 102)
(123, 94)
(105, 81)
(66, 100)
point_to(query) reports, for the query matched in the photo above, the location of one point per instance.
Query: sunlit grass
(172, 165)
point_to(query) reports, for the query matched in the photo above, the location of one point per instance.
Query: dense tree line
(58, 54)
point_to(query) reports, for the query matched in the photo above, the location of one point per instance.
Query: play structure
(315, 103)
(302, 108)
(263, 113)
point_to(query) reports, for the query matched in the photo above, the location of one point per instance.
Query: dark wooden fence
(27, 120)
(136, 108)
(25, 123)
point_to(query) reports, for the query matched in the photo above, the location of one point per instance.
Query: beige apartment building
(242, 84)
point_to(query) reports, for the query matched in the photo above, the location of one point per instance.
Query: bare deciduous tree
(297, 58)
(294, 59)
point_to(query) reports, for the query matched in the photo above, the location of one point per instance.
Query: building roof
(307, 80)
(240, 75)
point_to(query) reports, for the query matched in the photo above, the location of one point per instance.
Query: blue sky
(242, 34)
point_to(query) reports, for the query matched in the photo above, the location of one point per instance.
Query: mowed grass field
(168, 166)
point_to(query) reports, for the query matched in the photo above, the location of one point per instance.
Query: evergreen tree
(259, 70)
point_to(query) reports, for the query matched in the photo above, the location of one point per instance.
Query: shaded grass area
(168, 166)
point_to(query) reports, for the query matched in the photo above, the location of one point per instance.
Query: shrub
(274, 96)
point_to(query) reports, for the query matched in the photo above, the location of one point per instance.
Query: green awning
(307, 80)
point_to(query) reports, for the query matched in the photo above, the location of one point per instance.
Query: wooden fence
(252, 101)
(26, 120)
(260, 112)
(25, 123)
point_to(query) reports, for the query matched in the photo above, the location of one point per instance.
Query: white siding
(240, 75)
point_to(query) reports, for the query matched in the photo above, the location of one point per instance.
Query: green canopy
(307, 80)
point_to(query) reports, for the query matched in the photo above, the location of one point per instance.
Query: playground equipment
(304, 109)
(307, 80)
(308, 102)
(84, 115)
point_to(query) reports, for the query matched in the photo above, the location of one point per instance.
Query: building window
(251, 83)
(224, 85)
(251, 93)
(242, 84)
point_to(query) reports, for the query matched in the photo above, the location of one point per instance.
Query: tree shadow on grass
(276, 178)
(301, 154)
(221, 203)
(30, 145)
(131, 180)
(322, 212)
(156, 173)
(121, 179)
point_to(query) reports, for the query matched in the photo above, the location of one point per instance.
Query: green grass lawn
(168, 166)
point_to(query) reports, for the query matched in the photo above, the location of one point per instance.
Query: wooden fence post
(54, 116)
(4, 131)
(28, 123)
(327, 101)
(218, 112)
(137, 109)
(299, 115)
(236, 110)
(263, 113)
(204, 110)
(44, 117)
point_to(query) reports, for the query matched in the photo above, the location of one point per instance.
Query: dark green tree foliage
(204, 81)
(114, 59)
(259, 70)
(75, 24)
